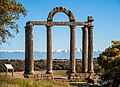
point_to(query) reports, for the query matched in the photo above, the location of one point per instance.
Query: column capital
(49, 25)
(90, 20)
(72, 27)
(29, 25)
(84, 28)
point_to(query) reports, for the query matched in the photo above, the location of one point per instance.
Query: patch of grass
(6, 81)
(21, 82)
(60, 73)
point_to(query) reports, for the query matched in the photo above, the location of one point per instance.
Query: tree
(109, 60)
(10, 11)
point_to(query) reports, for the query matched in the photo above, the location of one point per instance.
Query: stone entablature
(58, 23)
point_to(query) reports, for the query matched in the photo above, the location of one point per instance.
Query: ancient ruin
(87, 42)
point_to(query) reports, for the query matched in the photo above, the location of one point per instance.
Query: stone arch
(61, 9)
(72, 39)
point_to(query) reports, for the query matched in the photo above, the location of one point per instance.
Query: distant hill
(57, 54)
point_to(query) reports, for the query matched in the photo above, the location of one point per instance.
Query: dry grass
(6, 81)
(19, 81)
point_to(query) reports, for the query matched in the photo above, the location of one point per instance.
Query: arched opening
(60, 16)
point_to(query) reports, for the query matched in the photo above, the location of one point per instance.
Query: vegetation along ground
(22, 82)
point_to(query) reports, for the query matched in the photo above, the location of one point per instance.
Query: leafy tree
(10, 11)
(110, 62)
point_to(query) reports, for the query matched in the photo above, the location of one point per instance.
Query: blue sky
(106, 14)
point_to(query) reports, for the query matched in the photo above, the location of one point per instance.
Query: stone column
(85, 49)
(72, 50)
(90, 45)
(29, 53)
(49, 50)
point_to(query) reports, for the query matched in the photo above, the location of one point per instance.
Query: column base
(72, 76)
(84, 71)
(29, 74)
(49, 72)
(90, 71)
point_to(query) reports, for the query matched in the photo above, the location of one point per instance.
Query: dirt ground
(20, 74)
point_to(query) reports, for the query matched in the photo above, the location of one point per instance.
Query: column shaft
(90, 49)
(29, 54)
(85, 50)
(72, 49)
(49, 50)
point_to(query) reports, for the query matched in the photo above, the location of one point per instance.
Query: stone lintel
(58, 23)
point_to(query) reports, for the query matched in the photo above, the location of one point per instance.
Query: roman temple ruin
(87, 42)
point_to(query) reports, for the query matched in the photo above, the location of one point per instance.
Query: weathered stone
(60, 9)
(87, 44)
(85, 50)
(72, 49)
(49, 50)
(29, 54)
(90, 45)
(58, 23)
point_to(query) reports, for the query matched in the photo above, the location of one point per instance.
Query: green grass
(20, 82)
(60, 73)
